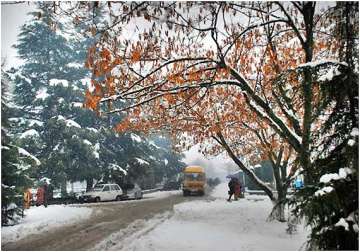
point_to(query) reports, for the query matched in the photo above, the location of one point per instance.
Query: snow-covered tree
(331, 203)
(205, 69)
(16, 163)
(49, 88)
(72, 142)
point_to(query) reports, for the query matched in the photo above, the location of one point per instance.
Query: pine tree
(51, 80)
(16, 163)
(331, 204)
(73, 143)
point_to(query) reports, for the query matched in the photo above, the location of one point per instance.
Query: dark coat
(231, 185)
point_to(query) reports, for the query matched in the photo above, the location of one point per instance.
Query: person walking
(231, 191)
(237, 189)
(40, 196)
(27, 198)
(46, 194)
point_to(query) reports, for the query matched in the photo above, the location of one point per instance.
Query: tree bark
(308, 12)
(251, 175)
(89, 183)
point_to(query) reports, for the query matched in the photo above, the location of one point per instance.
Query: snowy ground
(161, 194)
(198, 224)
(209, 225)
(40, 219)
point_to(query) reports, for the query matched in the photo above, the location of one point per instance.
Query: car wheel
(97, 199)
(118, 198)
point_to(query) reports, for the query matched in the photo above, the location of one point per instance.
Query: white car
(133, 191)
(103, 192)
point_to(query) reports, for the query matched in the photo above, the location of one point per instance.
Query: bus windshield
(194, 176)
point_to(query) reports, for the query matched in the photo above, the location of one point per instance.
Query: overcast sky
(13, 16)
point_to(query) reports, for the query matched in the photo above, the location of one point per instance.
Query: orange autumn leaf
(135, 56)
(117, 61)
(91, 101)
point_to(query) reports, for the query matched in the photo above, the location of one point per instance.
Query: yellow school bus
(194, 180)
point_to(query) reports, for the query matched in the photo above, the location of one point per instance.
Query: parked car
(171, 185)
(133, 191)
(103, 192)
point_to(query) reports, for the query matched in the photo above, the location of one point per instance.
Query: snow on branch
(326, 70)
(116, 167)
(27, 154)
(260, 106)
(319, 63)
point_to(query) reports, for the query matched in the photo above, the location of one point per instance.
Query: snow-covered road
(82, 226)
(209, 225)
(40, 219)
(162, 221)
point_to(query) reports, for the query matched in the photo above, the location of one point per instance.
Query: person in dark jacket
(237, 189)
(231, 185)
(46, 194)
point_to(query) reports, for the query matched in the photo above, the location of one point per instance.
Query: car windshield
(194, 176)
(98, 188)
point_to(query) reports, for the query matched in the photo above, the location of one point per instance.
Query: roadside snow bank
(40, 219)
(161, 194)
(206, 224)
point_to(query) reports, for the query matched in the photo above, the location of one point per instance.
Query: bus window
(194, 176)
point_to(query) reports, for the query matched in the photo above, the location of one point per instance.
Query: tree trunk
(251, 175)
(278, 211)
(307, 84)
(89, 183)
(63, 187)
